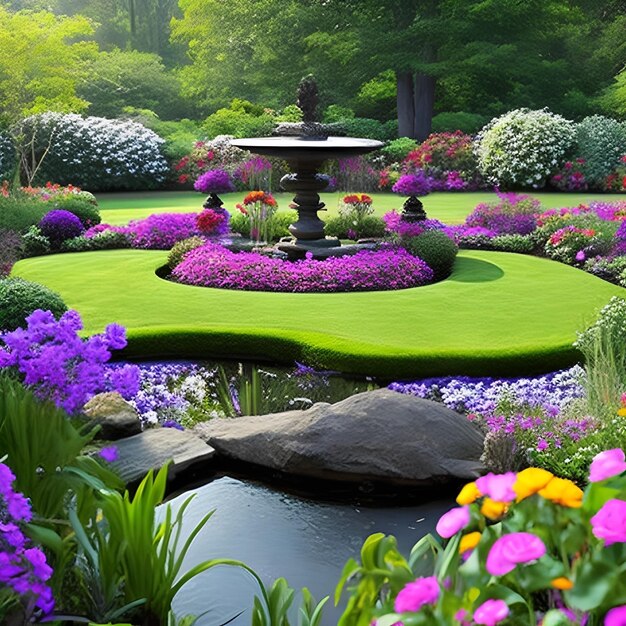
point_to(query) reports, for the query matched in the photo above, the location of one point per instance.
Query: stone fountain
(305, 146)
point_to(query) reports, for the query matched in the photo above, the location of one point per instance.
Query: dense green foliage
(19, 298)
(18, 211)
(436, 248)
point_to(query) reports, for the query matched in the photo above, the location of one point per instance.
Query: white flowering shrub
(601, 142)
(522, 148)
(94, 152)
(7, 156)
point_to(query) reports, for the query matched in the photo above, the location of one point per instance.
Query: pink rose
(454, 520)
(491, 612)
(416, 594)
(607, 464)
(616, 616)
(498, 487)
(509, 550)
(609, 523)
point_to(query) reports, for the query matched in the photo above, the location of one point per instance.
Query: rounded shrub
(82, 208)
(522, 147)
(180, 249)
(522, 244)
(601, 142)
(19, 298)
(95, 153)
(436, 249)
(59, 225)
(345, 227)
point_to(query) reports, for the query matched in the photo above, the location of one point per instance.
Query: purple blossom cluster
(59, 225)
(511, 214)
(156, 232)
(610, 211)
(23, 568)
(551, 392)
(369, 270)
(418, 184)
(396, 225)
(214, 181)
(61, 366)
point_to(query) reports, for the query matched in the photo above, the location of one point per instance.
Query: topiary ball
(59, 225)
(19, 298)
(436, 249)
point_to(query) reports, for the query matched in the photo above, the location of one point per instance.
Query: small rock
(116, 417)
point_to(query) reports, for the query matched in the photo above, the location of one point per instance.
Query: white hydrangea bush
(96, 153)
(522, 148)
(601, 142)
(7, 156)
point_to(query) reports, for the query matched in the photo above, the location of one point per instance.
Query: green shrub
(82, 208)
(469, 123)
(180, 249)
(278, 225)
(345, 227)
(336, 113)
(436, 249)
(242, 119)
(397, 149)
(35, 243)
(19, 298)
(601, 142)
(366, 128)
(291, 113)
(522, 244)
(612, 270)
(106, 240)
(18, 211)
(77, 244)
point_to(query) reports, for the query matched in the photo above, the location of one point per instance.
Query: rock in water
(378, 435)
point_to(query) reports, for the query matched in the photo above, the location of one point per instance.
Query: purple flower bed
(511, 214)
(379, 270)
(418, 184)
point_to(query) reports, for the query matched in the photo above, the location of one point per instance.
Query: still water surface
(279, 534)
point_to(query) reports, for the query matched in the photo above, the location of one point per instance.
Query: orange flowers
(260, 196)
(564, 492)
(530, 481)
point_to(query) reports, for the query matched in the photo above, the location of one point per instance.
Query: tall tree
(42, 59)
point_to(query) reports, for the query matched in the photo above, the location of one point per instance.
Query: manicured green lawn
(449, 207)
(498, 314)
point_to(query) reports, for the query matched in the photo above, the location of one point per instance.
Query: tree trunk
(423, 106)
(406, 110)
(133, 23)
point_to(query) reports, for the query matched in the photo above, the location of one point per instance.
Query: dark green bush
(436, 249)
(469, 123)
(35, 243)
(106, 240)
(180, 249)
(337, 113)
(365, 127)
(19, 298)
(77, 244)
(368, 226)
(18, 212)
(521, 244)
(82, 208)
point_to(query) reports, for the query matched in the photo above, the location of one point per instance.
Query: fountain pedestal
(305, 156)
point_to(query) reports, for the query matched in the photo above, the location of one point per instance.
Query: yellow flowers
(530, 481)
(564, 492)
(468, 494)
(562, 583)
(469, 541)
(492, 509)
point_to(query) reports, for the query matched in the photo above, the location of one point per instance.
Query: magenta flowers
(498, 487)
(607, 464)
(454, 520)
(616, 616)
(491, 612)
(609, 523)
(418, 184)
(510, 550)
(417, 594)
(370, 270)
(214, 181)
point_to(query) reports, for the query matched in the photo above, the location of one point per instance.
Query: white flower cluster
(7, 156)
(611, 323)
(522, 147)
(601, 142)
(98, 153)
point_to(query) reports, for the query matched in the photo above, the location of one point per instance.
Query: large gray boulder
(378, 435)
(116, 417)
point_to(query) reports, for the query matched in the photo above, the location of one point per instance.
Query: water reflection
(278, 534)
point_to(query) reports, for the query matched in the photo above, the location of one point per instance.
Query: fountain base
(320, 248)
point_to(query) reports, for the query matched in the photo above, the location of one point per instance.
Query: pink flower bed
(369, 270)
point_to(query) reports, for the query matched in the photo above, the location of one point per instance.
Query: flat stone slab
(154, 447)
(379, 435)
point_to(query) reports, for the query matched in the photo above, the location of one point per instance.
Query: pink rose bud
(454, 520)
(609, 523)
(607, 464)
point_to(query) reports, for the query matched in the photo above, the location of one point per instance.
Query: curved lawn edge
(498, 314)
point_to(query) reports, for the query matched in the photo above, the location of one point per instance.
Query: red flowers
(261, 197)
